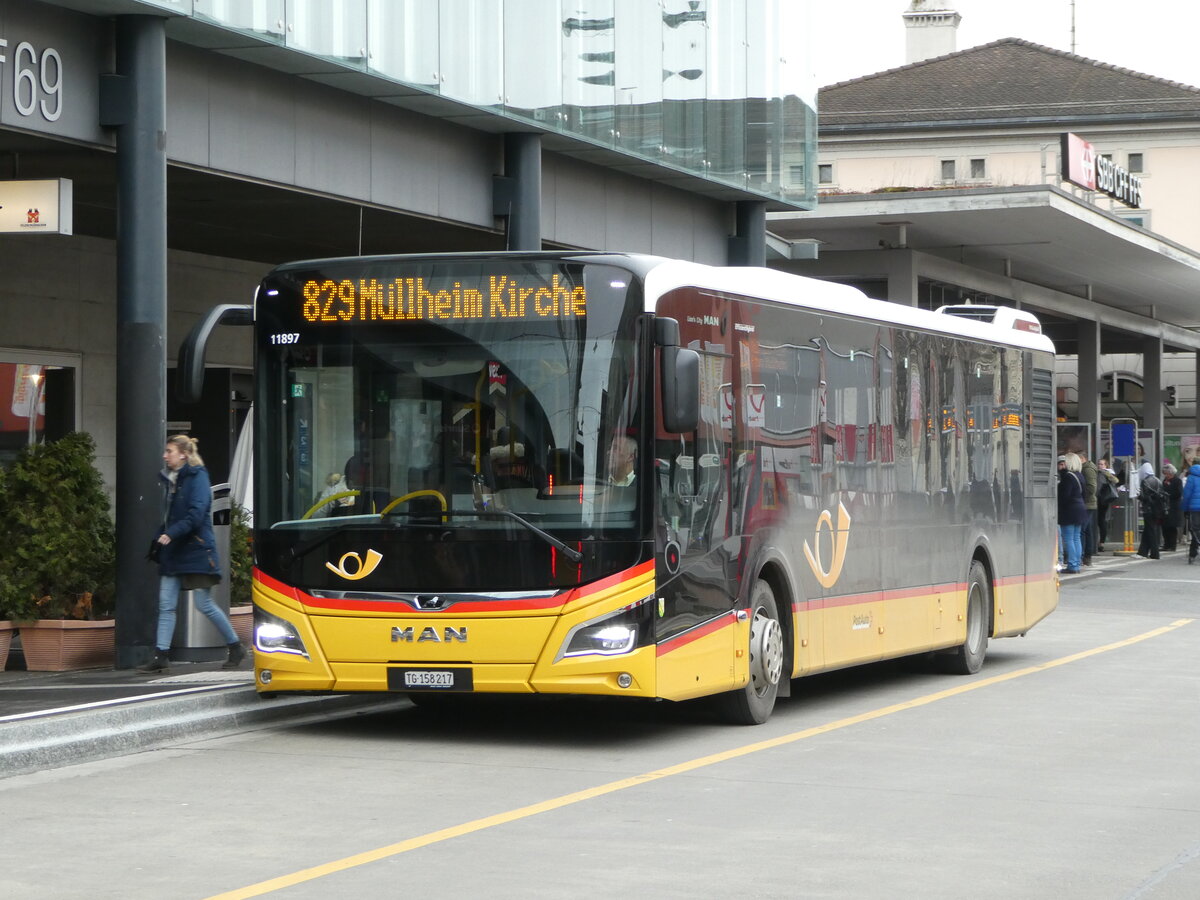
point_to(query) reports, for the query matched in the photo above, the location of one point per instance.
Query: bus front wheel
(967, 658)
(752, 704)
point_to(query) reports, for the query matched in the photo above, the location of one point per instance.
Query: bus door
(909, 509)
(695, 625)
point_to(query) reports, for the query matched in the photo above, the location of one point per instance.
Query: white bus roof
(838, 299)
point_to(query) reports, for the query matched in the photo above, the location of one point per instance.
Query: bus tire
(752, 704)
(967, 658)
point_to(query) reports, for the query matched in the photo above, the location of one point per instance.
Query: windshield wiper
(570, 552)
(294, 553)
(303, 549)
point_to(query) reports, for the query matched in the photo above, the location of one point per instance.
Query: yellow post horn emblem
(841, 540)
(363, 569)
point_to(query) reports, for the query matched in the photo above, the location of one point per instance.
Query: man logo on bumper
(361, 569)
(428, 633)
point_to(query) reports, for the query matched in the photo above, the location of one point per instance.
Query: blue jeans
(1072, 546)
(168, 599)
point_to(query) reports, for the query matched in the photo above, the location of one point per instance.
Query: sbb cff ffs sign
(1081, 165)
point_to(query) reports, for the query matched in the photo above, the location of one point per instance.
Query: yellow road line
(524, 812)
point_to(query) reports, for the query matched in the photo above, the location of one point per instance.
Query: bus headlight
(275, 635)
(611, 634)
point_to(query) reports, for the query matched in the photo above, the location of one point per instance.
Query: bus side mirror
(190, 367)
(679, 376)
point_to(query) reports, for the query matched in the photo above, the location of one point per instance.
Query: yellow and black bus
(603, 473)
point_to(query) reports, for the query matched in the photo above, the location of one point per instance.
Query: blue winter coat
(187, 520)
(1191, 491)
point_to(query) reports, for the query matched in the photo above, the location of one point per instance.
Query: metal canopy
(1132, 281)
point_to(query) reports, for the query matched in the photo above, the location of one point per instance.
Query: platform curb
(59, 738)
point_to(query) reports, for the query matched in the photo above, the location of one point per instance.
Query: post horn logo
(361, 569)
(841, 540)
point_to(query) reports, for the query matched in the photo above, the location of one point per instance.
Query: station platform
(52, 719)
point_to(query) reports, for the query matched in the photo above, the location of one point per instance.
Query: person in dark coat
(1071, 511)
(1172, 486)
(1106, 496)
(1154, 506)
(187, 550)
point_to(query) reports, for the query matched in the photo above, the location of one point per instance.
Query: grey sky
(1158, 37)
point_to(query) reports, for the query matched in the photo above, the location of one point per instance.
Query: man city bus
(620, 475)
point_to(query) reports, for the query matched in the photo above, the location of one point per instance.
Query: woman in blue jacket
(187, 550)
(1189, 503)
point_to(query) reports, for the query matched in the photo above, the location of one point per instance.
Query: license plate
(430, 680)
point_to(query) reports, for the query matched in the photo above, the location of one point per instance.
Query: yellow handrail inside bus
(429, 492)
(327, 500)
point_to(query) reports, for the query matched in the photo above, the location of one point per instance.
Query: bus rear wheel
(967, 658)
(752, 704)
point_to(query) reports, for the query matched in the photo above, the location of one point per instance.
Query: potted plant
(241, 564)
(6, 626)
(57, 561)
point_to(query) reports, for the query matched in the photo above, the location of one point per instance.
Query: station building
(942, 182)
(190, 145)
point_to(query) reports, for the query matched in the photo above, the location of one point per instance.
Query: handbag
(152, 551)
(1106, 493)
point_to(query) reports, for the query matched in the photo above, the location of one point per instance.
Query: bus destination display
(498, 298)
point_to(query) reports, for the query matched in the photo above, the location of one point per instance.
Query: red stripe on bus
(906, 593)
(519, 604)
(682, 640)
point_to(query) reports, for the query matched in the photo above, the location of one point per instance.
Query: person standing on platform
(1071, 511)
(1154, 505)
(1089, 537)
(1106, 496)
(1190, 506)
(1172, 486)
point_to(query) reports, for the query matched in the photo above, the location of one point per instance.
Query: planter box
(242, 620)
(58, 645)
(6, 633)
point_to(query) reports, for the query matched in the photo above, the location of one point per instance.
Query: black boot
(236, 654)
(158, 663)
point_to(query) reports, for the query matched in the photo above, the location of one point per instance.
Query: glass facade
(720, 89)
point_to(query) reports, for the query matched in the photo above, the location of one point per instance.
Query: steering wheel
(327, 500)
(413, 495)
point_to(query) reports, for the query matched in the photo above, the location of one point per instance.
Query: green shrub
(57, 558)
(241, 556)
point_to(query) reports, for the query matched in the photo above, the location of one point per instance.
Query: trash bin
(196, 639)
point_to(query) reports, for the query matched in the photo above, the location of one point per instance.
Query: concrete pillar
(133, 101)
(517, 194)
(902, 277)
(748, 247)
(1196, 419)
(1152, 411)
(1088, 335)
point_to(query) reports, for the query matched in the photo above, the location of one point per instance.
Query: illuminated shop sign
(1082, 166)
(36, 207)
(492, 298)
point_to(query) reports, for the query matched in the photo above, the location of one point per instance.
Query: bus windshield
(499, 399)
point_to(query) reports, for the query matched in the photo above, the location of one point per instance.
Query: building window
(825, 173)
(1140, 218)
(797, 174)
(978, 169)
(947, 170)
(1135, 163)
(41, 400)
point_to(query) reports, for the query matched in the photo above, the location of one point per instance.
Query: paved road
(1067, 769)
